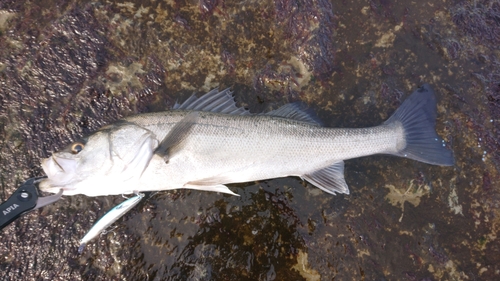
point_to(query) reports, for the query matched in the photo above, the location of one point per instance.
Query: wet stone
(69, 67)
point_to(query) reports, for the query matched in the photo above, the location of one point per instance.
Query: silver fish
(109, 218)
(207, 142)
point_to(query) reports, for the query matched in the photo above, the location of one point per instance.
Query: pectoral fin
(176, 135)
(330, 179)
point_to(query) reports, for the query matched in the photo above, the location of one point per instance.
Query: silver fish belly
(208, 142)
(109, 218)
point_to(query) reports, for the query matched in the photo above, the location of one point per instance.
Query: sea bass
(208, 142)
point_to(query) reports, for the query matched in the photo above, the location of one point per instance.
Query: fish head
(79, 161)
(101, 163)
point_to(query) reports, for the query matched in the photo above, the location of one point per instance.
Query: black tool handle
(23, 200)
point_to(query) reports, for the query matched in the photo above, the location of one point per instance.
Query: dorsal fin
(213, 101)
(294, 111)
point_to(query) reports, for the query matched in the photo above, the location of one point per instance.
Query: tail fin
(418, 116)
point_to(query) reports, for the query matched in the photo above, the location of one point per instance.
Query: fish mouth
(47, 185)
(60, 173)
(55, 165)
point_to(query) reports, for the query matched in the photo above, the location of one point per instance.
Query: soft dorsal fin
(294, 111)
(213, 101)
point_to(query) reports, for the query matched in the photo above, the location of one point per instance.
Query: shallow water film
(69, 67)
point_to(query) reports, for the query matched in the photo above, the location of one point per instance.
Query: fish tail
(417, 114)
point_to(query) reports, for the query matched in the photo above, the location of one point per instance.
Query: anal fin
(330, 179)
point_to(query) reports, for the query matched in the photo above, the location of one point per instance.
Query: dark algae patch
(69, 67)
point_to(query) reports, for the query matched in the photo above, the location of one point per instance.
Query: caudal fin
(418, 116)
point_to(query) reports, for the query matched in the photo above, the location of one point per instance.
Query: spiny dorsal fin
(213, 101)
(294, 111)
(330, 179)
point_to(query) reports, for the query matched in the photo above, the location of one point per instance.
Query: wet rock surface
(69, 67)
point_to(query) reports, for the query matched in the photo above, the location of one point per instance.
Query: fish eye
(77, 147)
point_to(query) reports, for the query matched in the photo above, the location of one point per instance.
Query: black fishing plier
(24, 199)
